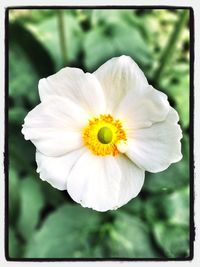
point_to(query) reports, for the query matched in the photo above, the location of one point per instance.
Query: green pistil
(105, 135)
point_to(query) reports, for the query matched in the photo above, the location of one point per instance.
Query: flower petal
(117, 76)
(140, 110)
(131, 182)
(82, 88)
(55, 170)
(156, 147)
(104, 183)
(54, 126)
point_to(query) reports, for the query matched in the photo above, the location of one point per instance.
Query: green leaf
(172, 208)
(129, 40)
(31, 204)
(18, 147)
(21, 152)
(103, 16)
(110, 17)
(52, 196)
(176, 85)
(172, 239)
(64, 234)
(30, 15)
(28, 62)
(14, 196)
(47, 33)
(135, 206)
(14, 246)
(130, 237)
(95, 41)
(16, 115)
(35, 52)
(176, 206)
(107, 41)
(180, 92)
(23, 79)
(153, 209)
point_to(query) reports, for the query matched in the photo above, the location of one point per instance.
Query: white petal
(117, 76)
(55, 170)
(55, 126)
(140, 110)
(156, 147)
(131, 182)
(82, 88)
(104, 183)
(94, 182)
(122, 146)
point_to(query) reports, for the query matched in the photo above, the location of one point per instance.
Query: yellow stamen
(102, 134)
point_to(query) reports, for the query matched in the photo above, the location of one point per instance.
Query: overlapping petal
(104, 183)
(54, 126)
(142, 109)
(156, 147)
(117, 76)
(132, 180)
(82, 88)
(55, 170)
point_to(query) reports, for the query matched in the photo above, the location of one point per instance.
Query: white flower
(96, 134)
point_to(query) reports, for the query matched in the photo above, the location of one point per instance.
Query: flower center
(103, 134)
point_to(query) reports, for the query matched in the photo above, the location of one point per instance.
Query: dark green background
(45, 222)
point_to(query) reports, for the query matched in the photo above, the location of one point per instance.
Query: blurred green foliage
(45, 222)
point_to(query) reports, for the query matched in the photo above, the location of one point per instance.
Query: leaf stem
(169, 49)
(62, 38)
